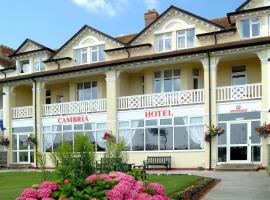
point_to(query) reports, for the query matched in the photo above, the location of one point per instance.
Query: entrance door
(23, 153)
(239, 142)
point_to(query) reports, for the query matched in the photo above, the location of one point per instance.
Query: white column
(112, 89)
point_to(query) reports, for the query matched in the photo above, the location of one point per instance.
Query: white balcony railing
(22, 112)
(160, 100)
(239, 92)
(76, 107)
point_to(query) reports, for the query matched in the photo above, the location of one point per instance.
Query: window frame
(232, 73)
(162, 80)
(91, 88)
(41, 66)
(89, 51)
(163, 36)
(250, 27)
(186, 38)
(21, 63)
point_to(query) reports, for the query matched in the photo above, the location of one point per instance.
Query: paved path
(236, 185)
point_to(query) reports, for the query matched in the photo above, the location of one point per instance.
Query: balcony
(161, 100)
(239, 92)
(76, 107)
(22, 112)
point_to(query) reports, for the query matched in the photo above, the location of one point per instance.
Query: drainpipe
(128, 52)
(4, 74)
(35, 111)
(210, 108)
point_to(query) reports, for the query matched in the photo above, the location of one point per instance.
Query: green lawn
(13, 183)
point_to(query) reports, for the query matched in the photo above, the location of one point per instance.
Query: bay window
(167, 81)
(250, 28)
(178, 133)
(186, 39)
(89, 54)
(87, 91)
(163, 42)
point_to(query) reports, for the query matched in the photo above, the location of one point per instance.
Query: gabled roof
(180, 10)
(243, 5)
(42, 47)
(76, 34)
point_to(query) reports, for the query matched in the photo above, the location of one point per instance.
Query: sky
(53, 22)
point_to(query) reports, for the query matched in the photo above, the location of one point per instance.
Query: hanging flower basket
(212, 131)
(108, 136)
(264, 130)
(4, 141)
(31, 140)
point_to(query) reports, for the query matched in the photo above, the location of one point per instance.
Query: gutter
(210, 108)
(35, 111)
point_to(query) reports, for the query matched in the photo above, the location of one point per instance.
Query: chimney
(150, 16)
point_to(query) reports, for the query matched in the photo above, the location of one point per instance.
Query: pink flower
(30, 193)
(93, 177)
(49, 185)
(66, 181)
(44, 193)
(159, 189)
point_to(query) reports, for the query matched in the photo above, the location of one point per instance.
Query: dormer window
(38, 65)
(24, 66)
(251, 28)
(186, 39)
(163, 42)
(89, 54)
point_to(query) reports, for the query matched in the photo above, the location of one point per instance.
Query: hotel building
(157, 89)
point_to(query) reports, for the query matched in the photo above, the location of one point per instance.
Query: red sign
(238, 108)
(72, 119)
(158, 113)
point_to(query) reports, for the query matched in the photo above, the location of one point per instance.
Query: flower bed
(196, 190)
(113, 186)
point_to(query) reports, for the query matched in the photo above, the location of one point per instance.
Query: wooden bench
(158, 161)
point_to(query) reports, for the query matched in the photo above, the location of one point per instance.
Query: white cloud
(151, 3)
(113, 7)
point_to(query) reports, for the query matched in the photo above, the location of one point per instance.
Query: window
(24, 66)
(167, 81)
(250, 28)
(186, 39)
(54, 135)
(60, 99)
(178, 133)
(163, 42)
(87, 91)
(48, 97)
(89, 55)
(38, 65)
(196, 78)
(239, 76)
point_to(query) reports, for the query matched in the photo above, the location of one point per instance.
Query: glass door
(23, 152)
(239, 142)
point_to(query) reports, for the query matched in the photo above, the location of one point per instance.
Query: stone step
(238, 167)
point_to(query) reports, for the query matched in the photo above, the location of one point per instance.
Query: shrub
(41, 162)
(78, 163)
(113, 186)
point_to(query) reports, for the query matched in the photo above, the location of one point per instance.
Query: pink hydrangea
(93, 177)
(138, 186)
(159, 189)
(119, 176)
(30, 193)
(159, 197)
(49, 185)
(44, 193)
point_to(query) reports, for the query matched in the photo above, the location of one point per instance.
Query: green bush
(78, 163)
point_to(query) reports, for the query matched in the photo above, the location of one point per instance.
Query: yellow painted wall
(23, 96)
(61, 89)
(224, 71)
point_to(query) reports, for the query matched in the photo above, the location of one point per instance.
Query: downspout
(210, 108)
(35, 111)
(128, 52)
(58, 65)
(215, 36)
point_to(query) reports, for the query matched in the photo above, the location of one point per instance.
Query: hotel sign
(72, 119)
(158, 113)
(238, 108)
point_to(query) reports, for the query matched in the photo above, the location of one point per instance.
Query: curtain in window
(47, 142)
(196, 134)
